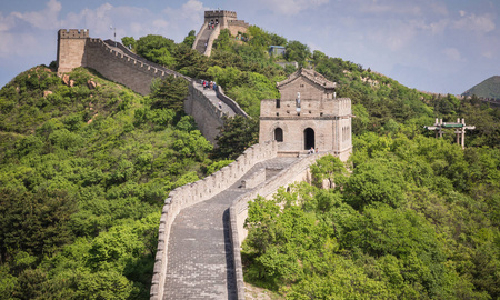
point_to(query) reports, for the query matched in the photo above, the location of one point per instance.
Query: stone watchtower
(308, 115)
(221, 17)
(71, 49)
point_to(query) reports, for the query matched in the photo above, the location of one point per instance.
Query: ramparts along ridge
(258, 171)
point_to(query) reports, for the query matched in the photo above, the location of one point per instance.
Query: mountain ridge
(488, 89)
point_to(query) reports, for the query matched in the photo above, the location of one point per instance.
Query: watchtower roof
(310, 74)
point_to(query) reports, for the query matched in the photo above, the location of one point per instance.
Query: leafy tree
(236, 135)
(169, 93)
(331, 169)
(35, 223)
(189, 40)
(129, 42)
(296, 51)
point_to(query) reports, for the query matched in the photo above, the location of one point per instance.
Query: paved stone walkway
(200, 258)
(212, 96)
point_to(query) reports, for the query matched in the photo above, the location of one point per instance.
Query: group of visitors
(211, 24)
(209, 84)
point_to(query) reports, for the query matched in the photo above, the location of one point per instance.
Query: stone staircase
(204, 37)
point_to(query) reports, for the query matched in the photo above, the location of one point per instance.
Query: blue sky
(432, 45)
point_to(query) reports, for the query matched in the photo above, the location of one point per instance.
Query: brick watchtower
(308, 115)
(222, 17)
(71, 49)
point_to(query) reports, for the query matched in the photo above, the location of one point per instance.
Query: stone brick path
(212, 96)
(200, 259)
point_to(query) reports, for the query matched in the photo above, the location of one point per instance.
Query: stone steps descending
(205, 36)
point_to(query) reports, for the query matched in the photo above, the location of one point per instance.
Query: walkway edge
(196, 192)
(298, 171)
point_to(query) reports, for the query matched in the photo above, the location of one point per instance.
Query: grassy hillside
(83, 175)
(489, 88)
(84, 170)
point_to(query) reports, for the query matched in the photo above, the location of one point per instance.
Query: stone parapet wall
(196, 192)
(238, 212)
(207, 116)
(213, 36)
(73, 33)
(124, 66)
(231, 103)
(118, 63)
(198, 36)
(236, 26)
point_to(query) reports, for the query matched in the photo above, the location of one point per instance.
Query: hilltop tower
(308, 115)
(214, 21)
(71, 49)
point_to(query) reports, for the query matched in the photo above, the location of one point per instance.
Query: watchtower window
(278, 104)
(278, 134)
(308, 139)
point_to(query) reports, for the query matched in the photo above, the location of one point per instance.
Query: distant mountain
(490, 88)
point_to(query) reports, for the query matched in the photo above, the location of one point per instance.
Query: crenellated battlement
(73, 33)
(220, 14)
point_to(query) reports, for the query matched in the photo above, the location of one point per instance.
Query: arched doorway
(308, 139)
(278, 134)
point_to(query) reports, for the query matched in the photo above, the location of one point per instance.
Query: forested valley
(84, 170)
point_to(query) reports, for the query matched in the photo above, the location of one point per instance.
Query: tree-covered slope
(83, 175)
(84, 170)
(488, 89)
(414, 219)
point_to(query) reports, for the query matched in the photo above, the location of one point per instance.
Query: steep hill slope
(489, 89)
(84, 170)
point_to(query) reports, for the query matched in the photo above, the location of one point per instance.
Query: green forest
(85, 167)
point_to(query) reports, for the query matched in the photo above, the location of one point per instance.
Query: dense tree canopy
(401, 225)
(84, 171)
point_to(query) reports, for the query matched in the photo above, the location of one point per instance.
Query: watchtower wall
(321, 120)
(221, 16)
(71, 49)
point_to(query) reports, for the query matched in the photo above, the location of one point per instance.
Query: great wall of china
(222, 198)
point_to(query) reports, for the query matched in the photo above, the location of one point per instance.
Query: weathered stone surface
(200, 257)
(322, 121)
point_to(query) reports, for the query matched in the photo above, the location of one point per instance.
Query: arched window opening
(308, 139)
(278, 134)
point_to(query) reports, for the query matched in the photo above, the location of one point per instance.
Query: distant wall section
(207, 116)
(76, 49)
(119, 64)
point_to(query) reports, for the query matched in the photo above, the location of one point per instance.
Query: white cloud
(472, 22)
(394, 8)
(453, 54)
(44, 19)
(487, 54)
(291, 7)
(439, 26)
